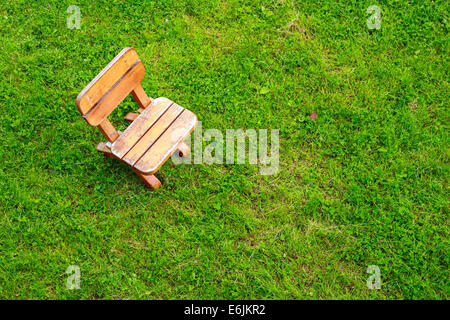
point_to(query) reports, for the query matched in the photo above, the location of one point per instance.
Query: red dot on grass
(313, 115)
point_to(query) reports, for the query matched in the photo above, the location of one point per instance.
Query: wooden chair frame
(122, 76)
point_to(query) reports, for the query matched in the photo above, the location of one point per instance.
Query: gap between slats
(154, 123)
(145, 152)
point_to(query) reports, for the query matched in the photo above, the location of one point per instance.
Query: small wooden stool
(158, 129)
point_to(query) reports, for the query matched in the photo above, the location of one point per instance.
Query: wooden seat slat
(139, 127)
(167, 143)
(144, 143)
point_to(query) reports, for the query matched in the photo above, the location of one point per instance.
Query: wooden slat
(163, 148)
(108, 130)
(131, 116)
(140, 97)
(140, 126)
(97, 88)
(152, 134)
(115, 95)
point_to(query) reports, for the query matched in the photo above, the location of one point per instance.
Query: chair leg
(183, 150)
(131, 116)
(149, 180)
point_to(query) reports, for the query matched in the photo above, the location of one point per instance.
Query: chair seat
(155, 134)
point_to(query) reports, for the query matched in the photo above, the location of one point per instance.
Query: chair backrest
(118, 79)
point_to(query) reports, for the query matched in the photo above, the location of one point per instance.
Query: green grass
(364, 184)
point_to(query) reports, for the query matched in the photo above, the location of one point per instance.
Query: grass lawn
(366, 183)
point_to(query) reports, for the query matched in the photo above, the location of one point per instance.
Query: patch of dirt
(413, 105)
(293, 27)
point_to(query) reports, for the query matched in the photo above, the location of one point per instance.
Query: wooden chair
(158, 129)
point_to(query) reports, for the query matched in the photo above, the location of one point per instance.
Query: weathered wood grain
(131, 116)
(108, 130)
(135, 153)
(168, 143)
(100, 85)
(115, 94)
(140, 126)
(140, 97)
